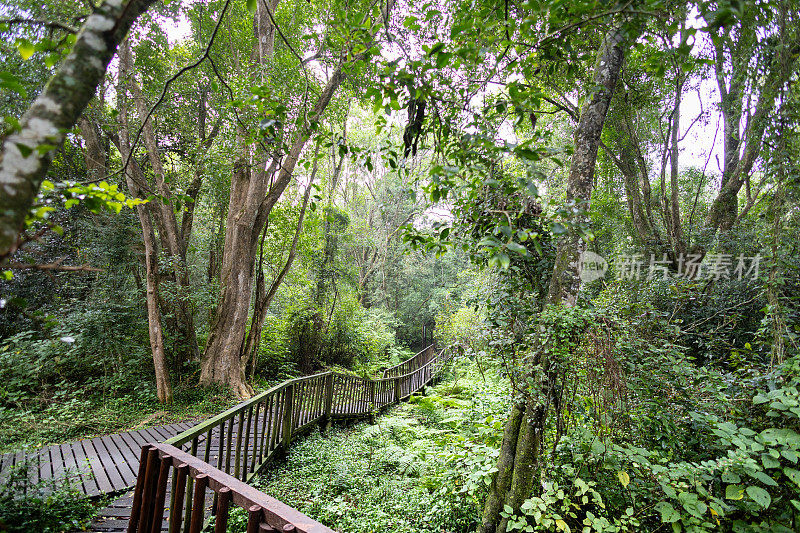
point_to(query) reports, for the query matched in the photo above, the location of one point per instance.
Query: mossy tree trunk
(518, 463)
(56, 111)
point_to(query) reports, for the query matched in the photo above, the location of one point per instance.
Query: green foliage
(49, 506)
(747, 480)
(50, 391)
(423, 467)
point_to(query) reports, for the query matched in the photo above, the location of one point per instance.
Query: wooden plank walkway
(100, 465)
(109, 464)
(114, 518)
(237, 442)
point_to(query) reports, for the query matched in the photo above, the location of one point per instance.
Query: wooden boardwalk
(101, 465)
(236, 443)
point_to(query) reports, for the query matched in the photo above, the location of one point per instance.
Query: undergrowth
(420, 468)
(67, 415)
(49, 506)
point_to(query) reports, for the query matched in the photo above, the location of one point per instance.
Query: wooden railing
(238, 443)
(409, 365)
(159, 461)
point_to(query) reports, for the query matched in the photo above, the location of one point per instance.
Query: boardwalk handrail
(246, 437)
(158, 461)
(416, 361)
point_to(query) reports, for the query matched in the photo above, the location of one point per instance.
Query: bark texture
(55, 111)
(255, 189)
(565, 281)
(264, 297)
(522, 466)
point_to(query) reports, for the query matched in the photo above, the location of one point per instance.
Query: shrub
(45, 507)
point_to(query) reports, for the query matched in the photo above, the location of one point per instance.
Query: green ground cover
(422, 467)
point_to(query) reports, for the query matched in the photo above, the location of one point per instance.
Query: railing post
(253, 519)
(326, 416)
(396, 390)
(178, 493)
(287, 417)
(372, 386)
(133, 523)
(198, 504)
(161, 493)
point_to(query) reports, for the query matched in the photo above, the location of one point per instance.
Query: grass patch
(68, 417)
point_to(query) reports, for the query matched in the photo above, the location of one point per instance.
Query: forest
(580, 216)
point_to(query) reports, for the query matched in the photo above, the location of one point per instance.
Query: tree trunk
(678, 245)
(55, 111)
(253, 195)
(505, 463)
(136, 182)
(263, 297)
(163, 387)
(742, 153)
(221, 362)
(94, 155)
(171, 234)
(564, 286)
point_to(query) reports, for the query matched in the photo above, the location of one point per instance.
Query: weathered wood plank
(101, 477)
(129, 455)
(109, 463)
(90, 485)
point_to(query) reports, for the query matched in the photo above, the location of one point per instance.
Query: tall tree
(258, 182)
(750, 68)
(524, 431)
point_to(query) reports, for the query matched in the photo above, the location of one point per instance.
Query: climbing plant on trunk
(524, 431)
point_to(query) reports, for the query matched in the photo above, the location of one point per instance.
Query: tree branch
(40, 22)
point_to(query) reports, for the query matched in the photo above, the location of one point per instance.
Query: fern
(407, 461)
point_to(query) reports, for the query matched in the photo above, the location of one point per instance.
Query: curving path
(110, 464)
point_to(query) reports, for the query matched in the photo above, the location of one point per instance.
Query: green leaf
(734, 492)
(25, 49)
(792, 474)
(436, 48)
(44, 148)
(764, 478)
(790, 455)
(758, 399)
(624, 478)
(731, 477)
(668, 512)
(769, 462)
(759, 495)
(251, 6)
(517, 247)
(12, 83)
(504, 261)
(24, 149)
(6, 275)
(691, 503)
